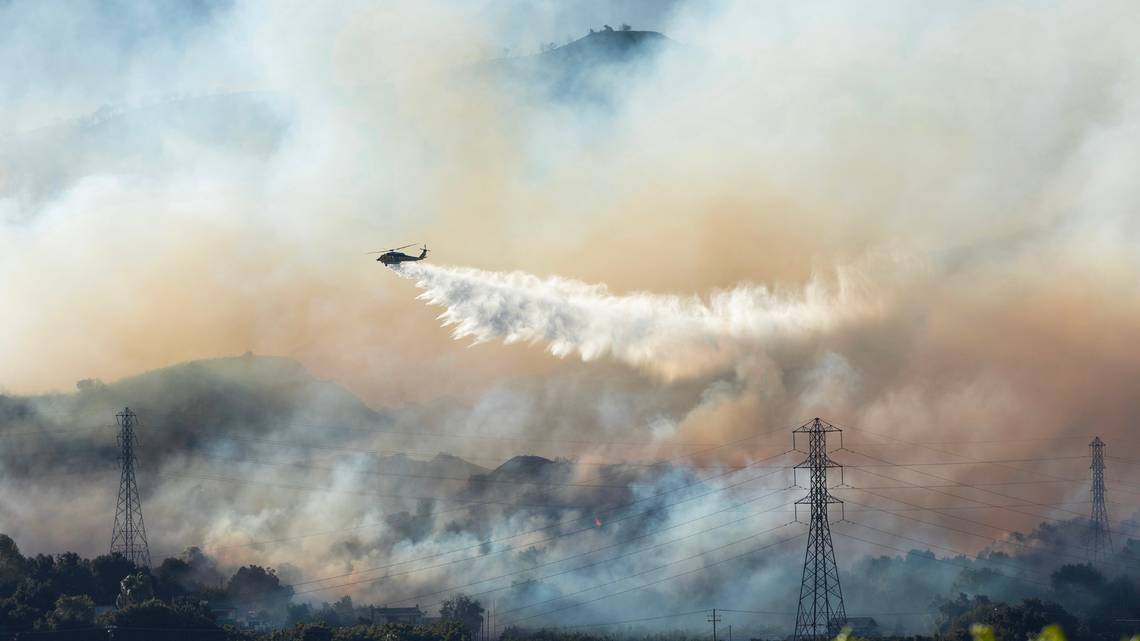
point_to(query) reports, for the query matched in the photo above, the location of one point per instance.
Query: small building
(224, 613)
(228, 613)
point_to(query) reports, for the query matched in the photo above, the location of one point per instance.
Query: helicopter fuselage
(395, 258)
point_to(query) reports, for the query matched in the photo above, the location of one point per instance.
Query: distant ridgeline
(587, 70)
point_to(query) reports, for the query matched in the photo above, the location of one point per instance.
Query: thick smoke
(920, 223)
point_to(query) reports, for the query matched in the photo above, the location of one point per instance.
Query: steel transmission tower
(1099, 542)
(821, 614)
(129, 535)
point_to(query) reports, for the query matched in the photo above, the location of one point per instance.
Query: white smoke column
(673, 336)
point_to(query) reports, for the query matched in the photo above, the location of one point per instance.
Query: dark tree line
(61, 596)
(58, 597)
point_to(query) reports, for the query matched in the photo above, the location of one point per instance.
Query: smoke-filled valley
(656, 250)
(251, 460)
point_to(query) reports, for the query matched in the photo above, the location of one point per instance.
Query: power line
(308, 535)
(528, 569)
(963, 485)
(931, 558)
(933, 449)
(482, 544)
(61, 431)
(588, 518)
(862, 614)
(728, 471)
(662, 580)
(483, 479)
(942, 547)
(377, 525)
(941, 512)
(627, 621)
(659, 463)
(433, 498)
(465, 504)
(952, 507)
(977, 442)
(596, 550)
(974, 486)
(970, 462)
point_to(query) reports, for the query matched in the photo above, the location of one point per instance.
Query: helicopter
(395, 256)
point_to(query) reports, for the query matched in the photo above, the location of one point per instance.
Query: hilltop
(246, 403)
(588, 69)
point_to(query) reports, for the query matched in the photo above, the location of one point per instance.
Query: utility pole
(128, 537)
(820, 614)
(1099, 540)
(714, 619)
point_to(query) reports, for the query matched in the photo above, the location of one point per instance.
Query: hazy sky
(190, 180)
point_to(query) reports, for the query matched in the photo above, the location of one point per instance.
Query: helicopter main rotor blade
(396, 249)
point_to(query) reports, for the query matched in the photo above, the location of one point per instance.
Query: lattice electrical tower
(129, 534)
(821, 614)
(1099, 541)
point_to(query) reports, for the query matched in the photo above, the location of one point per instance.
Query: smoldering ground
(176, 189)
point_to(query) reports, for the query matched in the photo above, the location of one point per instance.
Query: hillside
(241, 404)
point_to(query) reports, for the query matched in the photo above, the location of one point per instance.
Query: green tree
(134, 589)
(36, 593)
(255, 587)
(1008, 621)
(255, 584)
(72, 612)
(464, 610)
(297, 613)
(1077, 586)
(12, 566)
(345, 611)
(156, 620)
(172, 579)
(107, 573)
(316, 633)
(72, 575)
(16, 616)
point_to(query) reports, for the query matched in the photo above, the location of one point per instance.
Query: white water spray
(672, 335)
